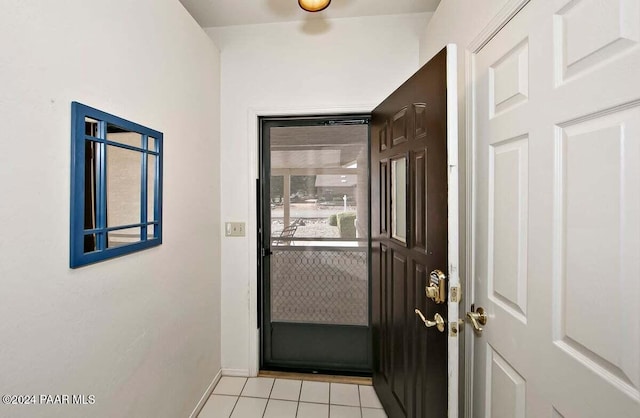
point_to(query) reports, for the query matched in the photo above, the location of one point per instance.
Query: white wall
(296, 67)
(457, 21)
(141, 332)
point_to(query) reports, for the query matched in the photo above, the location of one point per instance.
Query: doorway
(314, 245)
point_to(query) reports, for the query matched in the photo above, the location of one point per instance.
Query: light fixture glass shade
(314, 5)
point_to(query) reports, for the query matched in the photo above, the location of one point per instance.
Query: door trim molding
(453, 307)
(253, 143)
(499, 21)
(510, 9)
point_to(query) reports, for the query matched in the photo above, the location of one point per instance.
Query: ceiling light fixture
(314, 5)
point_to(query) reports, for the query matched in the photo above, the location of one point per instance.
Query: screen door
(314, 244)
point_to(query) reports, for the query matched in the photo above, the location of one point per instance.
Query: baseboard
(205, 396)
(236, 372)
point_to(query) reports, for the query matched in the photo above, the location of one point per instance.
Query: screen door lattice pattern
(320, 286)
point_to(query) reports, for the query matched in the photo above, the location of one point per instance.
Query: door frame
(453, 227)
(340, 334)
(253, 145)
(499, 21)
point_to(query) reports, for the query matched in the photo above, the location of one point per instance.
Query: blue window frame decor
(116, 186)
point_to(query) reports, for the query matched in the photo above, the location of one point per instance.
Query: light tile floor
(262, 397)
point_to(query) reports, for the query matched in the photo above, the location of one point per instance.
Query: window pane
(277, 205)
(319, 224)
(151, 177)
(399, 199)
(90, 243)
(151, 144)
(124, 181)
(319, 184)
(90, 176)
(90, 127)
(151, 231)
(123, 237)
(123, 136)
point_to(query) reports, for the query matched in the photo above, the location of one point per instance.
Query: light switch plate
(234, 229)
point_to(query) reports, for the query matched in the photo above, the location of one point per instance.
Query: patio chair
(285, 235)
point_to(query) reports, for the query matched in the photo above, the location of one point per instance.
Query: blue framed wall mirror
(116, 186)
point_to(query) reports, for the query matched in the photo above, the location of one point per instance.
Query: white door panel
(557, 212)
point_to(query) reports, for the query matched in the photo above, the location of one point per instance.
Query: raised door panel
(384, 198)
(399, 342)
(420, 345)
(384, 326)
(508, 225)
(590, 32)
(598, 245)
(383, 138)
(420, 120)
(419, 184)
(509, 79)
(505, 388)
(400, 127)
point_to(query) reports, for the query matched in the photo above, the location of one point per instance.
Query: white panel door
(556, 231)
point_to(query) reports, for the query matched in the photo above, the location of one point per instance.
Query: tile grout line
(329, 403)
(360, 401)
(299, 398)
(264, 411)
(234, 406)
(271, 390)
(313, 402)
(268, 398)
(238, 398)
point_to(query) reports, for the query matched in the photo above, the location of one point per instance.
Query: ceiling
(211, 13)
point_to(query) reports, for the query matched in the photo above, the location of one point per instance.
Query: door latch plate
(454, 294)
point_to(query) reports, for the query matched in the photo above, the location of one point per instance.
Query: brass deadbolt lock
(436, 290)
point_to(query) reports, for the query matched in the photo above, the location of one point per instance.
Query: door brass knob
(438, 321)
(479, 317)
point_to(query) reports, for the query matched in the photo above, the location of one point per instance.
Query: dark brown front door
(409, 240)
